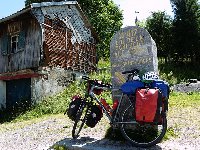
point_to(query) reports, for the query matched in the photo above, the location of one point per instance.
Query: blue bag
(130, 86)
(162, 85)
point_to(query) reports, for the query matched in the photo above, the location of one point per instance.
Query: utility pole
(136, 19)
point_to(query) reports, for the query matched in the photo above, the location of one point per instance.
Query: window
(14, 43)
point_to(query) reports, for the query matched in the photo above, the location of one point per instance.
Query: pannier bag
(163, 86)
(131, 86)
(73, 108)
(94, 116)
(148, 105)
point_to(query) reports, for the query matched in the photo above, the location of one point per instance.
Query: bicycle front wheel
(142, 135)
(80, 120)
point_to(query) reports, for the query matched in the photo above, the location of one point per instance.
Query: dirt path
(42, 134)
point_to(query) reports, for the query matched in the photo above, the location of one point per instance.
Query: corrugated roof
(37, 5)
(45, 4)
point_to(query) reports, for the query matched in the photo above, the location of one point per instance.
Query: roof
(47, 4)
(43, 4)
(18, 13)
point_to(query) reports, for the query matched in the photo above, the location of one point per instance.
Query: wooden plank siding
(29, 56)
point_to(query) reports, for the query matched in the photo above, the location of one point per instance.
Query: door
(18, 91)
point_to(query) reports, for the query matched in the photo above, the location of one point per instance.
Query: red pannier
(148, 105)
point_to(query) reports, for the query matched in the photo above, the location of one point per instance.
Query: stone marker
(131, 48)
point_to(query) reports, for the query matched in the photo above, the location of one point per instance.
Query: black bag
(94, 116)
(73, 108)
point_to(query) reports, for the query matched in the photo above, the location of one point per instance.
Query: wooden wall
(29, 55)
(61, 30)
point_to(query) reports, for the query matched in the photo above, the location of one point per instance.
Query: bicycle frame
(111, 118)
(122, 116)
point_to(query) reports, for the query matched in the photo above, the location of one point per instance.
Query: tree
(186, 27)
(159, 26)
(104, 16)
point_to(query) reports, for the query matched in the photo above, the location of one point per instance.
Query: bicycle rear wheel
(142, 135)
(80, 120)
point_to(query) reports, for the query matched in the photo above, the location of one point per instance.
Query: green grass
(49, 105)
(169, 134)
(60, 147)
(182, 100)
(58, 103)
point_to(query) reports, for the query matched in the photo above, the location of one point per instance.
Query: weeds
(58, 103)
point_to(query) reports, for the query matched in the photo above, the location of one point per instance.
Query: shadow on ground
(87, 143)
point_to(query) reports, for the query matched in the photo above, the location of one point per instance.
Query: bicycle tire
(141, 135)
(80, 118)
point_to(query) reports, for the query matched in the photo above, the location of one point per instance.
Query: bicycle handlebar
(134, 71)
(96, 82)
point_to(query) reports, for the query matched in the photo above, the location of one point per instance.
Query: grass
(58, 103)
(49, 105)
(182, 100)
(60, 147)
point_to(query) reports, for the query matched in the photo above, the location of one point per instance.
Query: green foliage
(170, 133)
(177, 39)
(141, 23)
(178, 72)
(60, 147)
(106, 18)
(186, 33)
(159, 27)
(103, 73)
(53, 105)
(58, 103)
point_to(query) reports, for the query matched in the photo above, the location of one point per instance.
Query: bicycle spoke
(80, 121)
(142, 134)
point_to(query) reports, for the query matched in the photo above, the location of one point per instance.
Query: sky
(129, 7)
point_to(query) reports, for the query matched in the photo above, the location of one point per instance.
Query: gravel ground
(43, 134)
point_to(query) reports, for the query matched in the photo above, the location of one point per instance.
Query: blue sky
(8, 7)
(144, 7)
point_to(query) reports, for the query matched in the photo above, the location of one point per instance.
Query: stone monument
(131, 48)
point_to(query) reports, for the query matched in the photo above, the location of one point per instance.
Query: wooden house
(42, 47)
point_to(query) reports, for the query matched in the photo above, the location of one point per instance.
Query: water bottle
(115, 104)
(105, 104)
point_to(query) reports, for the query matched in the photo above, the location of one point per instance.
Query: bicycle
(139, 134)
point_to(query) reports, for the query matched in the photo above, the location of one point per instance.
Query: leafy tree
(159, 25)
(186, 27)
(104, 16)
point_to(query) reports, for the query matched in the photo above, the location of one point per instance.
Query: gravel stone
(44, 134)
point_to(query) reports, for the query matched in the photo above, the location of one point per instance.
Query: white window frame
(14, 44)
